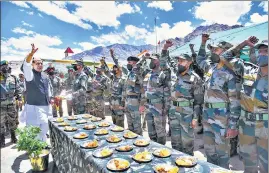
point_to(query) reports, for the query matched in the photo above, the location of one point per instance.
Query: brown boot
(13, 137)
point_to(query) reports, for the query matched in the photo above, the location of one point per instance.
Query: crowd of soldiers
(217, 90)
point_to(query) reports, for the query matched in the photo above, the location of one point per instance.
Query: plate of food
(186, 161)
(89, 127)
(162, 153)
(103, 153)
(125, 148)
(142, 157)
(86, 116)
(130, 135)
(95, 119)
(101, 132)
(141, 143)
(113, 139)
(90, 144)
(59, 120)
(63, 124)
(81, 122)
(70, 129)
(81, 135)
(104, 124)
(117, 129)
(72, 118)
(165, 168)
(118, 164)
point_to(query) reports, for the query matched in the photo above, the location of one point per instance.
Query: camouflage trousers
(182, 136)
(54, 109)
(117, 114)
(8, 115)
(99, 107)
(90, 107)
(133, 115)
(217, 146)
(253, 142)
(69, 107)
(79, 109)
(156, 127)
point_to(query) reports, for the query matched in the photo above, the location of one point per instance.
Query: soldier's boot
(169, 133)
(234, 142)
(201, 131)
(7, 129)
(2, 140)
(144, 126)
(13, 136)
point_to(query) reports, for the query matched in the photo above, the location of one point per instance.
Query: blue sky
(53, 26)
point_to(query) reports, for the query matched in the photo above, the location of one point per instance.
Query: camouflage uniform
(133, 91)
(221, 109)
(79, 93)
(10, 91)
(69, 85)
(253, 122)
(186, 98)
(89, 98)
(157, 95)
(56, 85)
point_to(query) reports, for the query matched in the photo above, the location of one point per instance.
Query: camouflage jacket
(254, 88)
(10, 90)
(80, 88)
(56, 83)
(221, 87)
(186, 92)
(69, 82)
(99, 85)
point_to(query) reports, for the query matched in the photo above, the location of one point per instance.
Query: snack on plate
(118, 164)
(130, 135)
(101, 132)
(141, 142)
(81, 135)
(87, 116)
(143, 156)
(186, 161)
(70, 129)
(91, 144)
(94, 119)
(162, 152)
(72, 118)
(113, 138)
(89, 127)
(81, 121)
(104, 124)
(64, 124)
(165, 168)
(124, 148)
(105, 152)
(117, 129)
(59, 120)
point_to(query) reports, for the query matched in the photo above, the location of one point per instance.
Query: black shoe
(48, 136)
(168, 134)
(2, 141)
(200, 131)
(13, 137)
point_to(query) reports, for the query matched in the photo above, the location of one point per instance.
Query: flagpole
(156, 35)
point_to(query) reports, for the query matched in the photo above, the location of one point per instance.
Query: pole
(156, 34)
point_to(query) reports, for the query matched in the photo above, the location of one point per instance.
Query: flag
(159, 42)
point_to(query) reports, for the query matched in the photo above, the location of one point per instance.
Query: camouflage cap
(3, 62)
(222, 44)
(155, 56)
(184, 56)
(263, 43)
(79, 62)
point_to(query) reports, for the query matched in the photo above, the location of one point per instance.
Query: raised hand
(167, 44)
(111, 51)
(191, 46)
(33, 51)
(205, 37)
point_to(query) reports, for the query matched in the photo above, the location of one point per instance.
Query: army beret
(132, 58)
(184, 56)
(263, 43)
(155, 56)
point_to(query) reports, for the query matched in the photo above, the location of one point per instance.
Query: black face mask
(98, 72)
(75, 68)
(4, 70)
(181, 68)
(152, 65)
(51, 73)
(215, 58)
(129, 67)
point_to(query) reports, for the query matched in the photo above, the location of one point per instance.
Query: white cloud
(137, 33)
(26, 24)
(30, 13)
(21, 9)
(142, 24)
(22, 31)
(17, 48)
(222, 12)
(20, 3)
(264, 5)
(146, 17)
(256, 18)
(162, 5)
(147, 26)
(111, 38)
(40, 15)
(87, 45)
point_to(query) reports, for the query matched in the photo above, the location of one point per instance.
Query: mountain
(124, 50)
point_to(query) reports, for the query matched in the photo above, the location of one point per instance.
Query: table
(69, 157)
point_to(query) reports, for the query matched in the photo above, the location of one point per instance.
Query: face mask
(51, 73)
(129, 67)
(181, 68)
(75, 68)
(98, 72)
(262, 60)
(214, 58)
(152, 65)
(4, 70)
(114, 72)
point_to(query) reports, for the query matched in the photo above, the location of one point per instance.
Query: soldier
(56, 83)
(79, 88)
(186, 98)
(157, 95)
(89, 98)
(10, 91)
(99, 85)
(253, 122)
(22, 86)
(134, 104)
(222, 108)
(68, 86)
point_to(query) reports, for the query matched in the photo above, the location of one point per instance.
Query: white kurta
(36, 115)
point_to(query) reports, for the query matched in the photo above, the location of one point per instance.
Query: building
(68, 52)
